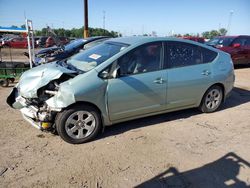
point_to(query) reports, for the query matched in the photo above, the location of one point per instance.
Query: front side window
(146, 58)
(181, 54)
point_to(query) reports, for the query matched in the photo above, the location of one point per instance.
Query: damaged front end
(35, 88)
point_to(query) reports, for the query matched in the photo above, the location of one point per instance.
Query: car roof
(232, 36)
(192, 37)
(145, 39)
(132, 40)
(140, 40)
(98, 37)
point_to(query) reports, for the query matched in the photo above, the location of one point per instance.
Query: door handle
(206, 73)
(159, 81)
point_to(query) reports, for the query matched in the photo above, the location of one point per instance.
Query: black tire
(63, 117)
(4, 83)
(212, 103)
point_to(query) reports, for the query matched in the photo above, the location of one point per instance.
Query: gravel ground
(180, 149)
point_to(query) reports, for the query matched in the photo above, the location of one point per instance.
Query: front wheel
(212, 99)
(78, 124)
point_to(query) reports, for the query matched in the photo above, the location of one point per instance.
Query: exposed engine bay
(44, 113)
(44, 85)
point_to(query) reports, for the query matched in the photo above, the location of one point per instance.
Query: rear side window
(208, 55)
(181, 54)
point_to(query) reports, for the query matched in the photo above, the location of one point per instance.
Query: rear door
(140, 87)
(188, 75)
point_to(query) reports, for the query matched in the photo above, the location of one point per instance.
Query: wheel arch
(215, 84)
(81, 103)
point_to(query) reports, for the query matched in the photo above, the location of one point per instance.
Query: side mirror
(104, 75)
(116, 72)
(236, 45)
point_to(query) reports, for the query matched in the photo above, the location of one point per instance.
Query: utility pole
(229, 21)
(104, 17)
(86, 27)
(104, 22)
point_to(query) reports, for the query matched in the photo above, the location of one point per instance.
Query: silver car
(119, 80)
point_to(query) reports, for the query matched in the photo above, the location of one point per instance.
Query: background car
(5, 40)
(41, 42)
(51, 41)
(237, 46)
(122, 79)
(197, 39)
(19, 42)
(59, 53)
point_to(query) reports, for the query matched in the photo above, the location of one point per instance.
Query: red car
(19, 42)
(51, 41)
(237, 46)
(197, 39)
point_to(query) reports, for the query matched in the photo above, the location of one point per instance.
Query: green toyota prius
(119, 80)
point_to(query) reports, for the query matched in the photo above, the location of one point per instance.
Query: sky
(132, 17)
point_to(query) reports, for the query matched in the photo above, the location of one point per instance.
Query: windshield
(74, 44)
(223, 41)
(93, 57)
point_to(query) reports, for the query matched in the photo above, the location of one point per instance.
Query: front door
(140, 85)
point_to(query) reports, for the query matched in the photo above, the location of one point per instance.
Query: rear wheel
(212, 99)
(78, 124)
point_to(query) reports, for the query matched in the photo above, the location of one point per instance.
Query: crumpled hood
(38, 77)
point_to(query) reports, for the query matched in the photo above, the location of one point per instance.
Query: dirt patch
(180, 149)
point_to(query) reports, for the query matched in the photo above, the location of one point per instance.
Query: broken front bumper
(29, 119)
(29, 112)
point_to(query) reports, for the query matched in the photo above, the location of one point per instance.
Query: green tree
(206, 34)
(210, 34)
(223, 31)
(78, 32)
(214, 33)
(23, 26)
(187, 35)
